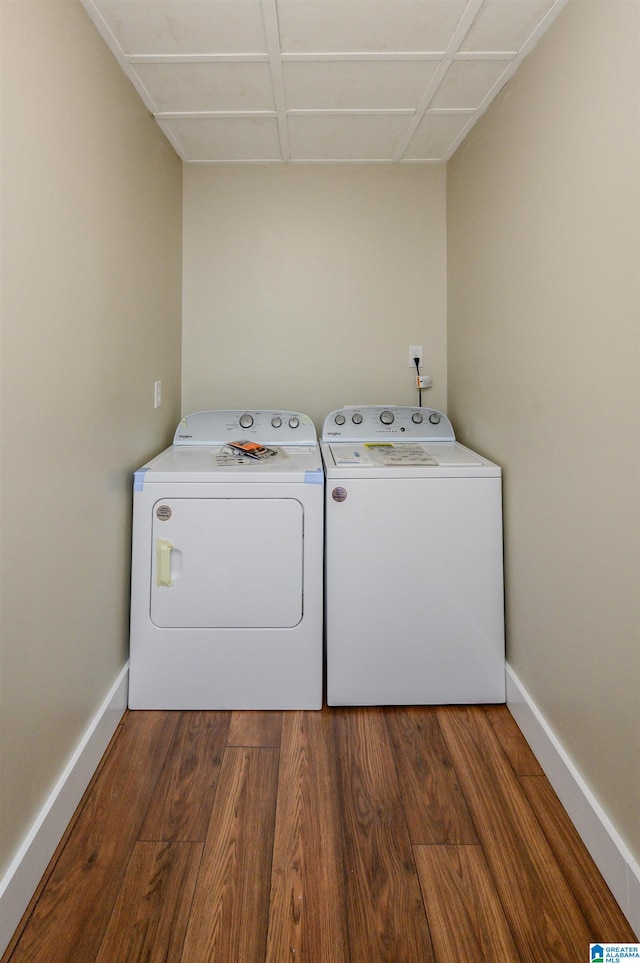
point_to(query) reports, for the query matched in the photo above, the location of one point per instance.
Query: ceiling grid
(321, 81)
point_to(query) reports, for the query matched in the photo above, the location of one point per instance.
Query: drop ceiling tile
(224, 139)
(435, 135)
(468, 82)
(207, 86)
(341, 85)
(348, 79)
(164, 27)
(345, 136)
(505, 24)
(367, 25)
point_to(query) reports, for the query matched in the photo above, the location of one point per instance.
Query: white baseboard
(607, 848)
(25, 872)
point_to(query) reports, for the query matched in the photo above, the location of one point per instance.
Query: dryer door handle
(163, 562)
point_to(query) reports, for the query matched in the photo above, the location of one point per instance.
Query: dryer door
(227, 563)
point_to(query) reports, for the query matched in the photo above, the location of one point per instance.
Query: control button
(276, 422)
(416, 418)
(294, 422)
(340, 419)
(434, 418)
(357, 418)
(246, 421)
(387, 417)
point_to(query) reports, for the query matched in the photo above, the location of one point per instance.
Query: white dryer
(227, 566)
(413, 562)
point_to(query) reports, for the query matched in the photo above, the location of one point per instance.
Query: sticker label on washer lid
(345, 456)
(404, 454)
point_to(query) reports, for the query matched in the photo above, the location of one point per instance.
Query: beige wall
(544, 266)
(304, 286)
(91, 225)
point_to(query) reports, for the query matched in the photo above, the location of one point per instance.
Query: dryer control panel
(379, 422)
(267, 427)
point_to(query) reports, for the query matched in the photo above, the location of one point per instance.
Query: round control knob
(246, 421)
(340, 419)
(357, 418)
(294, 422)
(434, 418)
(387, 417)
(417, 418)
(276, 422)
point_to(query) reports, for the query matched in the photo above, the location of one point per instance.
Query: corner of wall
(30, 862)
(609, 852)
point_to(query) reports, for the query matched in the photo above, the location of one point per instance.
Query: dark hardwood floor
(409, 835)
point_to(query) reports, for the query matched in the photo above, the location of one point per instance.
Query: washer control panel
(267, 427)
(377, 422)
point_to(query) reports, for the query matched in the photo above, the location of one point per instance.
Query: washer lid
(387, 422)
(386, 454)
(404, 459)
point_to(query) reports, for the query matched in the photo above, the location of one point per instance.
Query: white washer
(413, 562)
(227, 568)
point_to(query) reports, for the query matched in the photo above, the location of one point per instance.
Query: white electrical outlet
(157, 394)
(415, 351)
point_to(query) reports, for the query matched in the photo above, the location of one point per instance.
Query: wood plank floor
(409, 835)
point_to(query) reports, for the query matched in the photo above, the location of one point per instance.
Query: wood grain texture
(434, 805)
(307, 854)
(605, 919)
(255, 728)
(33, 902)
(466, 918)
(538, 903)
(72, 914)
(181, 804)
(385, 912)
(513, 743)
(149, 922)
(307, 921)
(231, 906)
